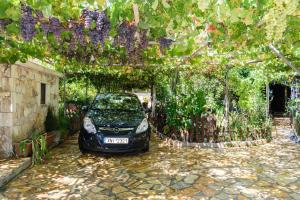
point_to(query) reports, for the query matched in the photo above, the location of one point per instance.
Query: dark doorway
(279, 97)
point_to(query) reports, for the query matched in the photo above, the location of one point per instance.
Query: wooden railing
(204, 129)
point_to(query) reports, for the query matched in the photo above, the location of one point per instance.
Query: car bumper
(95, 142)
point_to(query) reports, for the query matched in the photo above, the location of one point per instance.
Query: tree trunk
(64, 94)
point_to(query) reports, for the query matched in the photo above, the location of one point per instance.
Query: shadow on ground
(271, 170)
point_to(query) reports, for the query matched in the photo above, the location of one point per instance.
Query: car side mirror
(84, 109)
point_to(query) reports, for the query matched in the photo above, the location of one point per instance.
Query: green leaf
(13, 28)
(165, 4)
(12, 13)
(3, 6)
(90, 2)
(155, 4)
(13, 58)
(235, 15)
(297, 52)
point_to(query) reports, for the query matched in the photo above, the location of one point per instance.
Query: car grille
(115, 130)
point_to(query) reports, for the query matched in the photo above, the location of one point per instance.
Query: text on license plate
(116, 140)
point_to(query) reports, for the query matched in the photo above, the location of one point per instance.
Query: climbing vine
(237, 47)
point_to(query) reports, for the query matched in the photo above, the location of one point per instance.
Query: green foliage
(39, 147)
(63, 121)
(244, 127)
(237, 32)
(293, 105)
(189, 100)
(276, 18)
(51, 122)
(294, 109)
(197, 94)
(248, 86)
(22, 146)
(232, 27)
(76, 91)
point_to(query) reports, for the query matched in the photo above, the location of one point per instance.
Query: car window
(116, 102)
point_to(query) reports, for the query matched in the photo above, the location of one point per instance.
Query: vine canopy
(89, 35)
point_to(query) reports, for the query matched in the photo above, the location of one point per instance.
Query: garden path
(259, 172)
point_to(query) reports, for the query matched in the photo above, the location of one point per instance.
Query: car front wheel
(82, 150)
(147, 146)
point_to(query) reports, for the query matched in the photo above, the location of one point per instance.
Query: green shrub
(51, 122)
(64, 122)
(39, 147)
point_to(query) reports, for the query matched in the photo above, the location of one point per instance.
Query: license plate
(116, 140)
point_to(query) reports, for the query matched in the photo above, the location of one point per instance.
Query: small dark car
(115, 122)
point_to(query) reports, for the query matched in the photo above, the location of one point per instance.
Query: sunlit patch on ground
(271, 170)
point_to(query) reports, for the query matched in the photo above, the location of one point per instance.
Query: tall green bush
(51, 122)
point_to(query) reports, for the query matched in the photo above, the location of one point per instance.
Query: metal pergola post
(64, 94)
(267, 100)
(86, 90)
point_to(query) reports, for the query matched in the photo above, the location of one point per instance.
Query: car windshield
(117, 102)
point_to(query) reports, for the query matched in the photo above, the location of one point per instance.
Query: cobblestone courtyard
(259, 172)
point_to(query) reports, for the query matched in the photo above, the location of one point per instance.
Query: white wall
(20, 108)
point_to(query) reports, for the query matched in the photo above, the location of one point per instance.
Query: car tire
(82, 150)
(147, 147)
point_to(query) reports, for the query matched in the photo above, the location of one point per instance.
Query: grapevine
(127, 35)
(27, 23)
(55, 27)
(164, 43)
(4, 23)
(103, 26)
(78, 32)
(94, 37)
(86, 17)
(276, 18)
(143, 39)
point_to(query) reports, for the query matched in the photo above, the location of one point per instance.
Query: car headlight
(143, 126)
(88, 125)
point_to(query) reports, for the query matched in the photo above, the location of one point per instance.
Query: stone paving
(10, 168)
(270, 171)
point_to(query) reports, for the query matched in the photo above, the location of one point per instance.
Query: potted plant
(23, 148)
(39, 147)
(35, 147)
(51, 124)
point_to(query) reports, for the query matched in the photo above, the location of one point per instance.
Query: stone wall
(20, 108)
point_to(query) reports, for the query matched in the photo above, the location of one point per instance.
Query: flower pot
(49, 137)
(27, 151)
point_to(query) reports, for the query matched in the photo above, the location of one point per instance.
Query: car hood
(109, 118)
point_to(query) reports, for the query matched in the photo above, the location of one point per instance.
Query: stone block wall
(21, 110)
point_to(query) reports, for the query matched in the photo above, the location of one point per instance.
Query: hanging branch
(283, 58)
